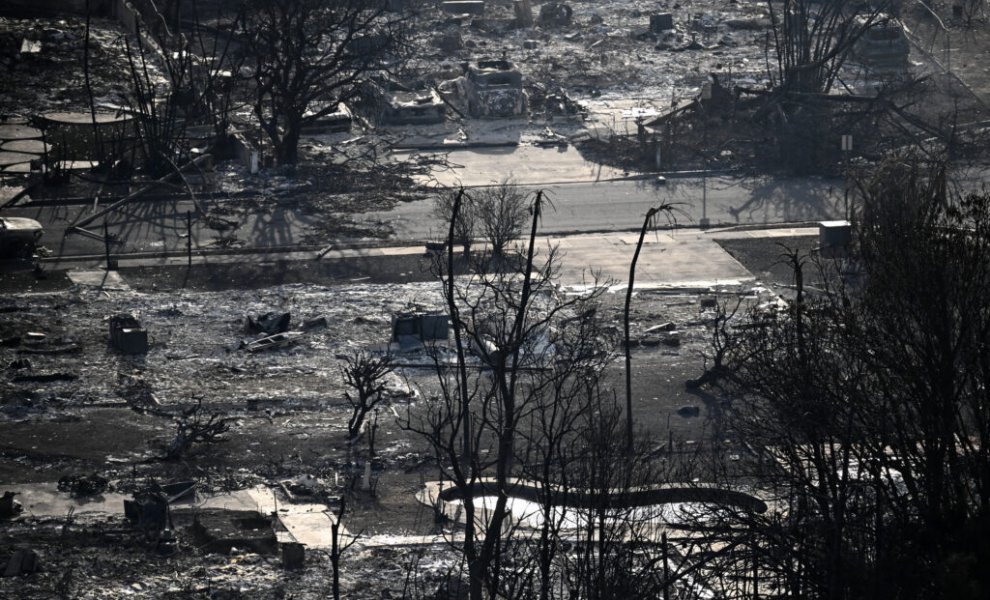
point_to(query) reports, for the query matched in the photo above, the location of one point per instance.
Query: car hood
(20, 224)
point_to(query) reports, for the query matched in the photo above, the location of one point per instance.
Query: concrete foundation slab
(685, 259)
(107, 280)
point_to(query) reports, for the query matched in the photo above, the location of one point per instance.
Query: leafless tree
(311, 55)
(365, 374)
(811, 41)
(495, 214)
(156, 108)
(866, 405)
(215, 88)
(193, 427)
(650, 221)
(501, 211)
(338, 547)
(807, 46)
(568, 394)
(526, 349)
(722, 343)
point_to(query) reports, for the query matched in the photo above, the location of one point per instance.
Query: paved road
(159, 226)
(621, 205)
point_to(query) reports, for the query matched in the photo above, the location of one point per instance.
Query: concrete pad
(311, 526)
(45, 500)
(15, 158)
(85, 118)
(307, 523)
(29, 146)
(19, 132)
(107, 280)
(77, 165)
(683, 259)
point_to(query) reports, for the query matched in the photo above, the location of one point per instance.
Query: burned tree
(650, 221)
(310, 56)
(214, 75)
(157, 110)
(495, 214)
(365, 374)
(807, 46)
(501, 211)
(193, 427)
(866, 404)
(811, 41)
(518, 349)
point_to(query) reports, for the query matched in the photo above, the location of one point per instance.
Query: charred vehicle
(19, 237)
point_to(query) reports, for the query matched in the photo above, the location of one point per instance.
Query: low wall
(644, 496)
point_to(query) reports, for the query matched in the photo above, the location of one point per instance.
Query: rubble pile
(46, 55)
(611, 49)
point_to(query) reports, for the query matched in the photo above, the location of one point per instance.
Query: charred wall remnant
(336, 121)
(661, 22)
(127, 335)
(394, 104)
(422, 327)
(834, 238)
(222, 530)
(494, 88)
(883, 47)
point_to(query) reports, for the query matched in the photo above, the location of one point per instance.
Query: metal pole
(845, 179)
(189, 236)
(704, 197)
(106, 243)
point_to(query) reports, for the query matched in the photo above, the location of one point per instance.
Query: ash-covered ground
(70, 405)
(84, 408)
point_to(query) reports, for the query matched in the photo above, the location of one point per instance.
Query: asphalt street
(620, 205)
(585, 207)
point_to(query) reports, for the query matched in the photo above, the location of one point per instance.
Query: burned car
(19, 237)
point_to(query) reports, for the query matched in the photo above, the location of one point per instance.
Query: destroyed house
(322, 118)
(883, 46)
(414, 107)
(495, 89)
(420, 326)
(394, 104)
